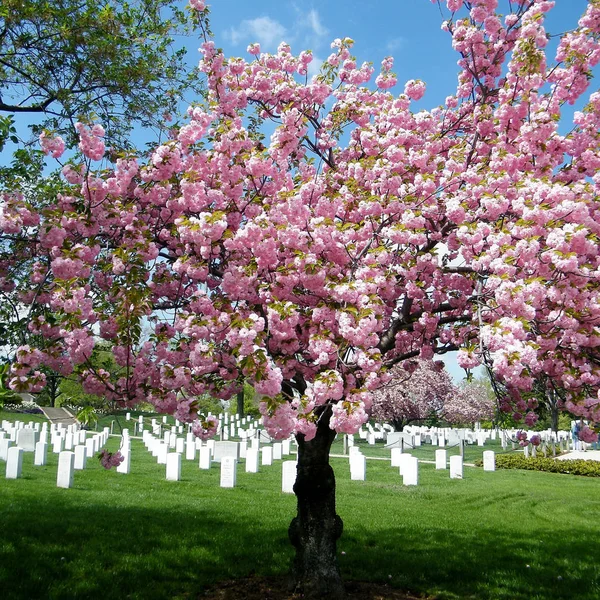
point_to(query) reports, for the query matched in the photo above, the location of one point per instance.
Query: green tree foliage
(115, 60)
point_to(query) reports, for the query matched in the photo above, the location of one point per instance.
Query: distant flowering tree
(361, 235)
(415, 391)
(471, 402)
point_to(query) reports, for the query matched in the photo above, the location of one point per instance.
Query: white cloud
(315, 66)
(395, 44)
(314, 22)
(264, 30)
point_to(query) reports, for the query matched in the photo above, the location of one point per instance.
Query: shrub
(587, 468)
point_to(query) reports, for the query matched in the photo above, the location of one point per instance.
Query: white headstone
(489, 461)
(5, 444)
(14, 462)
(125, 466)
(404, 462)
(286, 447)
(41, 449)
(180, 445)
(252, 460)
(288, 476)
(58, 444)
(441, 459)
(277, 451)
(89, 447)
(223, 449)
(205, 457)
(66, 462)
(80, 458)
(190, 450)
(267, 455)
(358, 466)
(161, 453)
(174, 466)
(456, 467)
(396, 454)
(228, 471)
(243, 448)
(410, 474)
(27, 439)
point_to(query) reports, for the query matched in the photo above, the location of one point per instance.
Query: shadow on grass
(106, 552)
(481, 565)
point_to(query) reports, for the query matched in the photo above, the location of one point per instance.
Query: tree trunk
(316, 528)
(240, 403)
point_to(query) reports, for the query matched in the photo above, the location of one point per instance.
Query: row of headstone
(68, 460)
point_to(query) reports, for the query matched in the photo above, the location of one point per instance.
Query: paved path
(59, 415)
(587, 455)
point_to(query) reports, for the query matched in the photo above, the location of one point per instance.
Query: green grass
(502, 535)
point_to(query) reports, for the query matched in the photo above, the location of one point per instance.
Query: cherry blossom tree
(471, 402)
(360, 236)
(414, 392)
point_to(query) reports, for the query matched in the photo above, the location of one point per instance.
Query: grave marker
(14, 462)
(80, 458)
(64, 478)
(456, 467)
(288, 476)
(358, 466)
(410, 474)
(252, 460)
(27, 439)
(41, 449)
(489, 461)
(228, 471)
(173, 466)
(267, 455)
(205, 457)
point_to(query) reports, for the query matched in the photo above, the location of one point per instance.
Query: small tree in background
(471, 401)
(416, 391)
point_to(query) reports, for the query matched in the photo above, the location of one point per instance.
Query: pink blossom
(414, 89)
(55, 146)
(205, 427)
(110, 459)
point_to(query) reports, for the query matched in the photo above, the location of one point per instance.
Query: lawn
(503, 535)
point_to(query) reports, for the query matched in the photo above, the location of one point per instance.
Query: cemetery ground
(492, 535)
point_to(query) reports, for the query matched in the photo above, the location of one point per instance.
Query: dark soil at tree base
(276, 588)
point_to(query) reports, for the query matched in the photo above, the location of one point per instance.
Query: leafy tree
(363, 236)
(415, 392)
(114, 60)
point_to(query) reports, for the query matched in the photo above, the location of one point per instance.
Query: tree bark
(316, 528)
(240, 403)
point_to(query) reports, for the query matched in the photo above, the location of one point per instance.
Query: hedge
(587, 468)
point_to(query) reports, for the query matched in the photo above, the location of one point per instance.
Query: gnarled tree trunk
(316, 528)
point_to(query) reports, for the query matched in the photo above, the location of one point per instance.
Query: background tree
(472, 401)
(362, 236)
(415, 392)
(115, 61)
